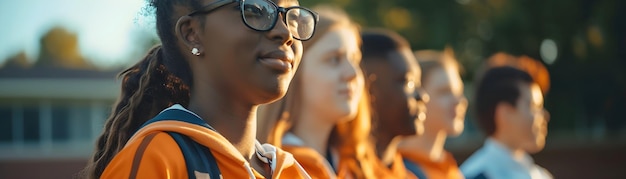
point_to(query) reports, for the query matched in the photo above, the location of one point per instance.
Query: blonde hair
(433, 59)
(350, 138)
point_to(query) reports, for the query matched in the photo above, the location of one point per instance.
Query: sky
(105, 28)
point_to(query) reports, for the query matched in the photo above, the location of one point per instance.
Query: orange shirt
(397, 170)
(314, 164)
(447, 168)
(153, 153)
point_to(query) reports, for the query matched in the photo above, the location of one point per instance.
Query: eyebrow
(289, 1)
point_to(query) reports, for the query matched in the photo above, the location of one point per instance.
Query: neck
(431, 142)
(234, 120)
(516, 152)
(313, 131)
(386, 146)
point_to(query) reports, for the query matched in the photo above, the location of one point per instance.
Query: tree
(59, 48)
(588, 76)
(19, 60)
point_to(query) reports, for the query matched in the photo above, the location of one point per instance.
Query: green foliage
(588, 76)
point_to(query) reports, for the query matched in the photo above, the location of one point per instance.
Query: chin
(275, 97)
(456, 128)
(272, 94)
(455, 132)
(536, 147)
(345, 113)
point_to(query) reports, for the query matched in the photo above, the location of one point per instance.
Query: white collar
(180, 107)
(291, 139)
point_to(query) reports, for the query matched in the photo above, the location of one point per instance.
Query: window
(6, 124)
(32, 124)
(81, 122)
(60, 123)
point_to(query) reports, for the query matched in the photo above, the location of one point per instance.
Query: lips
(421, 116)
(278, 60)
(346, 92)
(420, 112)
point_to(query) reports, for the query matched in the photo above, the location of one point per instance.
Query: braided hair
(162, 78)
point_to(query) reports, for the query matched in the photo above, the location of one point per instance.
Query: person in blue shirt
(509, 109)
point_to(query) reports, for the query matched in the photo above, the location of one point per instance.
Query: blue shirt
(494, 160)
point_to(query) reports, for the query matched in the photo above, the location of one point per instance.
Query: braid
(116, 131)
(136, 104)
(162, 78)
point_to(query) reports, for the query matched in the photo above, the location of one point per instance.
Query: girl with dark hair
(188, 109)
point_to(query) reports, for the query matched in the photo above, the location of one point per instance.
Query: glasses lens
(259, 14)
(301, 23)
(262, 15)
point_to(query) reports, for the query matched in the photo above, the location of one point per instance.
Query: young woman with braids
(198, 92)
(323, 120)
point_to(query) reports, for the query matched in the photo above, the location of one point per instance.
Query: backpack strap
(198, 158)
(329, 158)
(414, 168)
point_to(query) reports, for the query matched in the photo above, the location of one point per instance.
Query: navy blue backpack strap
(414, 168)
(197, 157)
(329, 158)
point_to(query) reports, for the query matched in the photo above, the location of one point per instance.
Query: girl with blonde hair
(324, 120)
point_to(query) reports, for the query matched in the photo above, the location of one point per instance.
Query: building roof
(58, 83)
(56, 73)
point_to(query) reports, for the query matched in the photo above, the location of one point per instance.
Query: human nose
(349, 71)
(280, 33)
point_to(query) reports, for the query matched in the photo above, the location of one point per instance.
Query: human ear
(188, 30)
(503, 111)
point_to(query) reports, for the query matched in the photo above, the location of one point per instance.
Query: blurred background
(59, 58)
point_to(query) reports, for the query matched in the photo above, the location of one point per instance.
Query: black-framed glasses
(262, 15)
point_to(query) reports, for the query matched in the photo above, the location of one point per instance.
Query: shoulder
(544, 173)
(476, 164)
(155, 144)
(146, 156)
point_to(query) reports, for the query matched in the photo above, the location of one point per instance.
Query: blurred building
(50, 117)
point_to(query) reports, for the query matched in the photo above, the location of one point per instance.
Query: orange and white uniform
(447, 168)
(153, 153)
(317, 166)
(397, 170)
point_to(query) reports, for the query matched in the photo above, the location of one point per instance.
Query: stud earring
(195, 51)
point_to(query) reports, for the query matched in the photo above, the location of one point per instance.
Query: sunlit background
(105, 33)
(59, 58)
